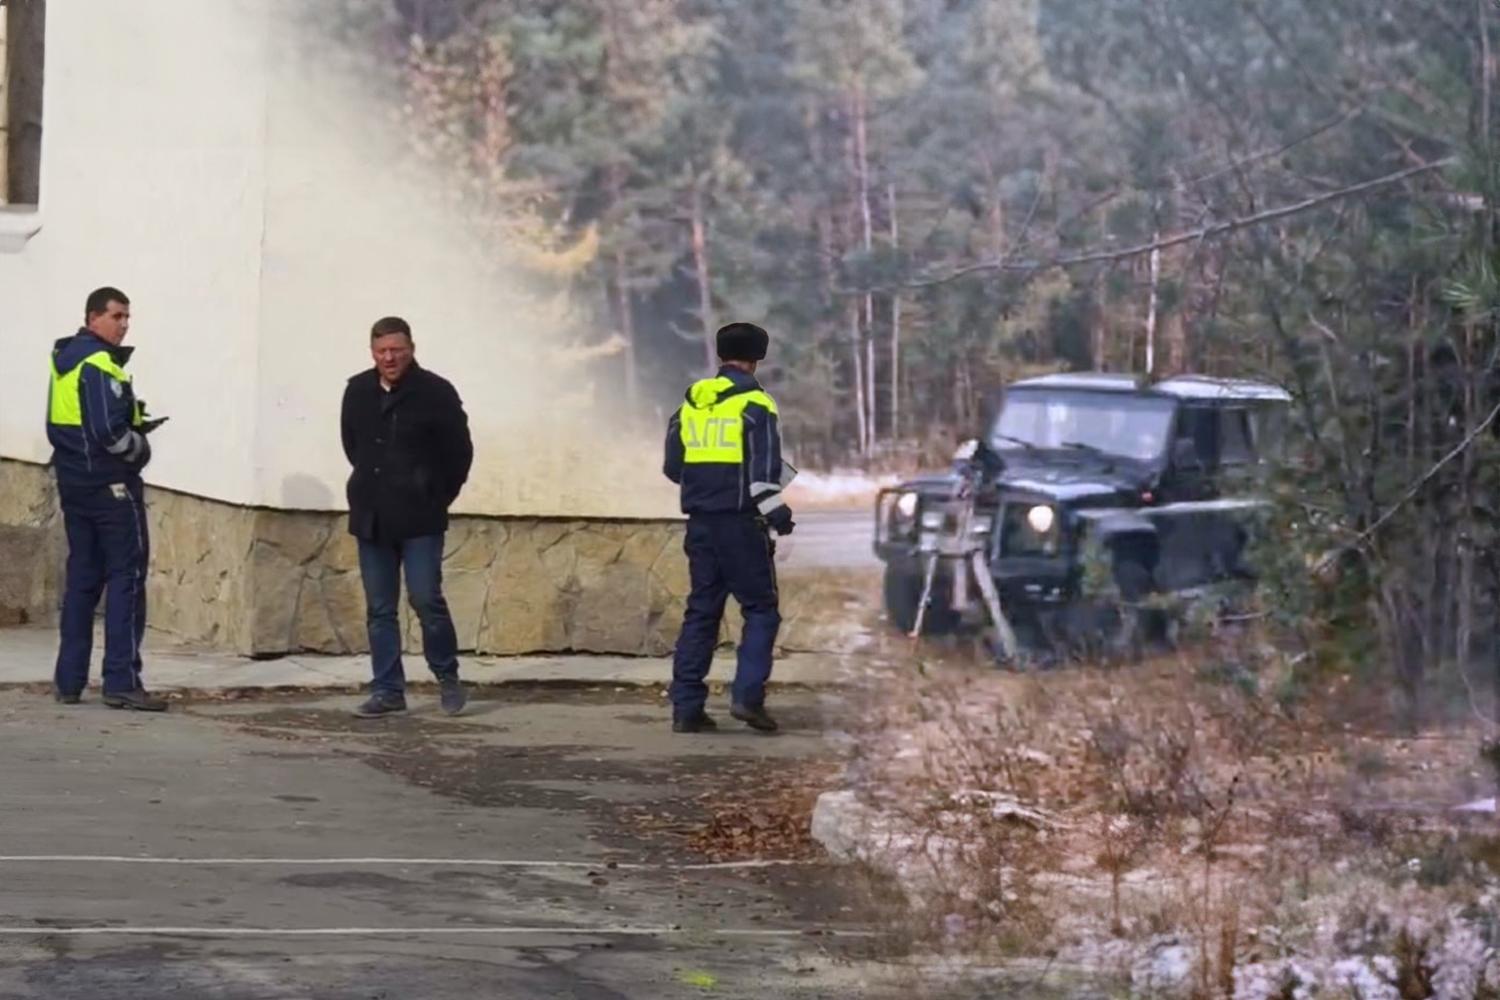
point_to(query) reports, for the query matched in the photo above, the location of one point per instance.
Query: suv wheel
(903, 591)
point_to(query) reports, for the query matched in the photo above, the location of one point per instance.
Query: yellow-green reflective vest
(65, 407)
(712, 428)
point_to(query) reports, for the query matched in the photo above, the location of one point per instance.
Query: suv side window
(1236, 446)
(1196, 447)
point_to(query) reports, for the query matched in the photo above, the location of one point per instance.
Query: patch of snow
(1477, 806)
(836, 489)
(1163, 969)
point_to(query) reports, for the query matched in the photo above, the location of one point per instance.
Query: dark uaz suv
(1086, 494)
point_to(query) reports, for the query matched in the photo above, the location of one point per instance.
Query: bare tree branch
(1007, 264)
(1411, 491)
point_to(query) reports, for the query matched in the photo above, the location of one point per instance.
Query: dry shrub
(958, 784)
(1181, 825)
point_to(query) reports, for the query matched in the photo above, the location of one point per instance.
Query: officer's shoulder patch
(116, 388)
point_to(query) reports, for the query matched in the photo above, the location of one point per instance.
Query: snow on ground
(840, 489)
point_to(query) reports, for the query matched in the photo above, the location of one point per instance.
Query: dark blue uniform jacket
(752, 486)
(106, 449)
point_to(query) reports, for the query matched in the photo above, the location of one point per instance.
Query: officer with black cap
(724, 449)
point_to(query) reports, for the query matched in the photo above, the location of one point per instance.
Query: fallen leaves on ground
(757, 813)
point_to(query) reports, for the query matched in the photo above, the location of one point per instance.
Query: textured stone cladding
(267, 582)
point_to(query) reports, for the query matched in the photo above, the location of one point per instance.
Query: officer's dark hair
(99, 300)
(387, 325)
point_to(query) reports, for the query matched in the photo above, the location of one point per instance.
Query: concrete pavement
(536, 847)
(27, 655)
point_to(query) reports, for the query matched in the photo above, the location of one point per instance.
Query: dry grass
(1190, 827)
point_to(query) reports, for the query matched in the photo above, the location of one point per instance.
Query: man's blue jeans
(380, 567)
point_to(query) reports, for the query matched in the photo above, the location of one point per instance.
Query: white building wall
(246, 197)
(153, 180)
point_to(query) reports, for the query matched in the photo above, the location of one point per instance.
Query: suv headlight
(1041, 518)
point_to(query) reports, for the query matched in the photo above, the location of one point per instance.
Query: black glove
(150, 425)
(780, 520)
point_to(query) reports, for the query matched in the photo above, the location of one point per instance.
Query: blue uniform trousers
(109, 550)
(727, 554)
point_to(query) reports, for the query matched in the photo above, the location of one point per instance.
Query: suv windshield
(1115, 423)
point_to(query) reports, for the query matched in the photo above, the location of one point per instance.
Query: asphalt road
(832, 540)
(531, 848)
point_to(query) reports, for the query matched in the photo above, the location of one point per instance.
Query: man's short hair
(99, 300)
(387, 325)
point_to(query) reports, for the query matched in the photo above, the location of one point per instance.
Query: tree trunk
(1101, 322)
(870, 379)
(858, 113)
(825, 221)
(620, 288)
(1174, 338)
(1486, 236)
(1101, 325)
(1464, 639)
(895, 428)
(1413, 337)
(700, 267)
(1171, 323)
(1151, 309)
(625, 323)
(859, 378)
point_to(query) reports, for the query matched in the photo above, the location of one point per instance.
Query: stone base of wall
(268, 582)
(31, 545)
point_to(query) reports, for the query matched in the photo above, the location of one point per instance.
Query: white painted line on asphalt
(121, 859)
(624, 930)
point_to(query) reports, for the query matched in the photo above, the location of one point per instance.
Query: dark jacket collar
(741, 378)
(414, 376)
(119, 352)
(69, 352)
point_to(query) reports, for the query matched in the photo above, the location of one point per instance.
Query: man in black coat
(407, 436)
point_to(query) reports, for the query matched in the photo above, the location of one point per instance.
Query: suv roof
(1098, 381)
(1179, 386)
(1204, 387)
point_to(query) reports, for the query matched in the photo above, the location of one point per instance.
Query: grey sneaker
(138, 700)
(381, 703)
(453, 696)
(66, 697)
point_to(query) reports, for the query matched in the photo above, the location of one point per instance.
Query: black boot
(380, 704)
(700, 723)
(138, 700)
(756, 718)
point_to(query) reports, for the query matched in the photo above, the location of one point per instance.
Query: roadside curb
(559, 684)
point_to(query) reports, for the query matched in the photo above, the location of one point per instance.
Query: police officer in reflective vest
(724, 449)
(98, 430)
